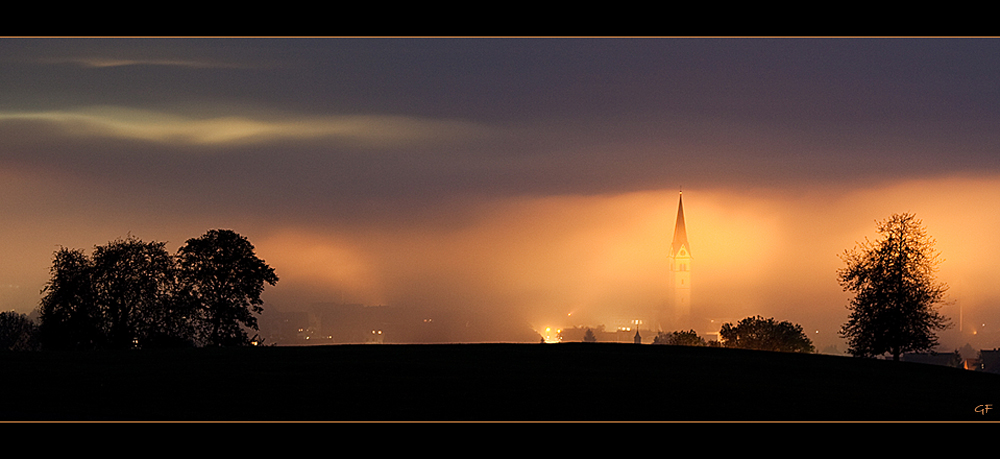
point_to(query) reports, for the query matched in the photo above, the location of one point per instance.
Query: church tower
(680, 269)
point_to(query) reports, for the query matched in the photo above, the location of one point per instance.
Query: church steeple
(680, 232)
(680, 268)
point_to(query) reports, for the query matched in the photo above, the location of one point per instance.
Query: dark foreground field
(484, 382)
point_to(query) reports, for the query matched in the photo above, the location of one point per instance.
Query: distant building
(675, 315)
(620, 335)
(354, 323)
(680, 270)
(990, 360)
(283, 327)
(948, 359)
(339, 323)
(376, 337)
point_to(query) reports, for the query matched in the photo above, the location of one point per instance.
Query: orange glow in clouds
(566, 261)
(544, 258)
(588, 260)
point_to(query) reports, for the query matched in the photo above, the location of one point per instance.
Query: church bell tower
(680, 269)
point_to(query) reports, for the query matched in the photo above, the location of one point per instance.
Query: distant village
(341, 323)
(344, 323)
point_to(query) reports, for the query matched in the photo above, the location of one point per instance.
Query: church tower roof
(680, 232)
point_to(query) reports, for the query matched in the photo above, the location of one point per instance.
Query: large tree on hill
(896, 296)
(120, 297)
(762, 334)
(131, 293)
(133, 285)
(69, 316)
(224, 279)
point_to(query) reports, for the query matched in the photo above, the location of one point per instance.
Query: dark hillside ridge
(484, 382)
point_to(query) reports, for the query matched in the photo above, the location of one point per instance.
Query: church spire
(680, 269)
(680, 231)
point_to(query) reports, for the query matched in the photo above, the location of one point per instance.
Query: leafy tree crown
(896, 295)
(763, 334)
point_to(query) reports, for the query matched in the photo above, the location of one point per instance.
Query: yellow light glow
(166, 127)
(754, 255)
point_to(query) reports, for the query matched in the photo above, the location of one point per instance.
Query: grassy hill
(484, 382)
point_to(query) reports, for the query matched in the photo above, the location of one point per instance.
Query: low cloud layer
(533, 180)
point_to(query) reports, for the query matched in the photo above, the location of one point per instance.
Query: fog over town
(505, 186)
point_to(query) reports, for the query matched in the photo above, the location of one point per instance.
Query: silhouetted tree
(894, 309)
(17, 332)
(589, 337)
(223, 278)
(69, 315)
(119, 298)
(763, 334)
(134, 293)
(134, 285)
(679, 338)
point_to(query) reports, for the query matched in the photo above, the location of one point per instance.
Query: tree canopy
(225, 279)
(896, 295)
(69, 313)
(762, 334)
(133, 293)
(132, 282)
(17, 332)
(679, 338)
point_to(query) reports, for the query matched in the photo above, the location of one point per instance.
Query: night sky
(531, 180)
